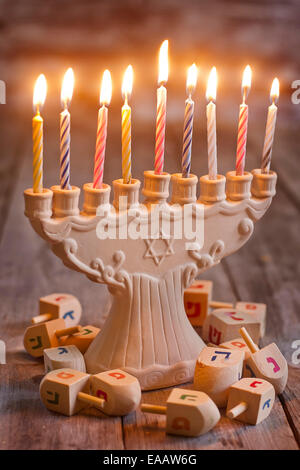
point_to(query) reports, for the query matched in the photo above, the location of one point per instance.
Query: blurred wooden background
(47, 37)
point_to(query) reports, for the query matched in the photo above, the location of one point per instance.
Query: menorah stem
(148, 334)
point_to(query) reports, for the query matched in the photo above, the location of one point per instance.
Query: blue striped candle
(188, 122)
(65, 138)
(187, 137)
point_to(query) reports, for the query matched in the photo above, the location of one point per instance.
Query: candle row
(39, 96)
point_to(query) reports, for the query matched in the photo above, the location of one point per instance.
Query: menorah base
(147, 332)
(158, 376)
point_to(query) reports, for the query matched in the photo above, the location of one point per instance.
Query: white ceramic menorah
(147, 332)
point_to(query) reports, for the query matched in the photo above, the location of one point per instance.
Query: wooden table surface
(265, 270)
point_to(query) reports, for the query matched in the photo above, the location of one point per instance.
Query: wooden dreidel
(46, 335)
(53, 306)
(196, 301)
(120, 391)
(223, 324)
(64, 357)
(216, 370)
(66, 391)
(250, 400)
(82, 339)
(189, 412)
(267, 363)
(259, 311)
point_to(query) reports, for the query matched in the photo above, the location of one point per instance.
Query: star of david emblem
(159, 248)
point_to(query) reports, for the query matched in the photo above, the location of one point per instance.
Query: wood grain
(35, 40)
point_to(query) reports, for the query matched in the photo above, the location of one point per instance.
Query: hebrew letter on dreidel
(63, 351)
(55, 401)
(69, 314)
(38, 340)
(117, 375)
(253, 384)
(181, 423)
(271, 360)
(214, 335)
(65, 375)
(225, 354)
(267, 403)
(188, 397)
(231, 315)
(193, 309)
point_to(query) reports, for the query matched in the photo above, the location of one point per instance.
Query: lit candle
(126, 125)
(39, 96)
(188, 121)
(270, 128)
(211, 94)
(66, 96)
(161, 109)
(243, 124)
(105, 97)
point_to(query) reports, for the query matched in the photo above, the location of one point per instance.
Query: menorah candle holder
(147, 332)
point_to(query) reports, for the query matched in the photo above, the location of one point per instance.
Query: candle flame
(127, 83)
(246, 83)
(40, 91)
(191, 80)
(106, 88)
(67, 87)
(163, 63)
(212, 82)
(274, 95)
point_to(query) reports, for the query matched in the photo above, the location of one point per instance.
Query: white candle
(211, 94)
(270, 128)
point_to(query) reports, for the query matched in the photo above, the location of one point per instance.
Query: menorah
(147, 332)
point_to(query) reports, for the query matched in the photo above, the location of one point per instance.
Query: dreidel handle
(217, 304)
(41, 318)
(156, 409)
(248, 340)
(68, 331)
(237, 410)
(91, 400)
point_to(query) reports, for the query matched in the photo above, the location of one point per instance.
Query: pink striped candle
(243, 124)
(105, 97)
(161, 109)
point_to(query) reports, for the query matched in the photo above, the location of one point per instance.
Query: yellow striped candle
(270, 128)
(126, 125)
(39, 96)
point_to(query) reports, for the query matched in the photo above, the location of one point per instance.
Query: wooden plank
(290, 400)
(29, 425)
(149, 431)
